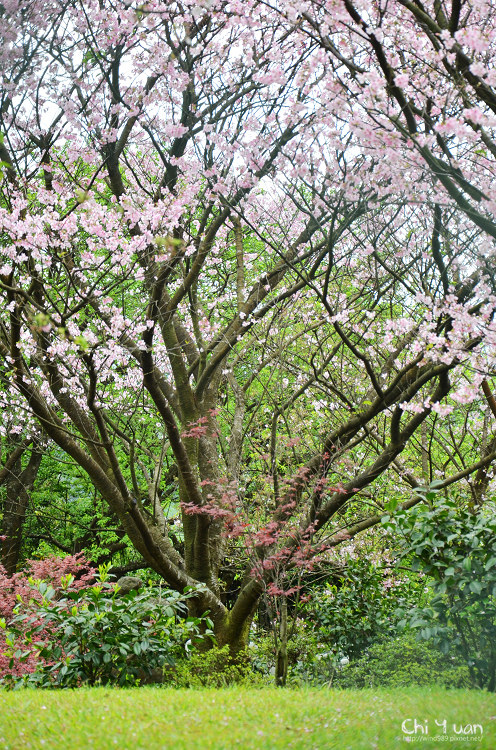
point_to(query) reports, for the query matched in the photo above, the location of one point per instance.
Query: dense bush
(365, 604)
(395, 661)
(456, 549)
(344, 617)
(214, 669)
(362, 603)
(97, 636)
(403, 662)
(19, 589)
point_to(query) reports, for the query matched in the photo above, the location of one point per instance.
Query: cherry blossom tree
(227, 257)
(417, 81)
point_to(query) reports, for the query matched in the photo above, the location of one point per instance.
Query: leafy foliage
(99, 637)
(215, 668)
(349, 615)
(72, 573)
(456, 548)
(402, 662)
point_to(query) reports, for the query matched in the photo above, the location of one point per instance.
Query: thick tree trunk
(232, 627)
(232, 635)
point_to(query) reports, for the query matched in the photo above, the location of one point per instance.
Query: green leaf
(82, 343)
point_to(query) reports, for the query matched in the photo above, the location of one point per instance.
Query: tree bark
(18, 484)
(282, 648)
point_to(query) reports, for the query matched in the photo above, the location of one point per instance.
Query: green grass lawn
(151, 718)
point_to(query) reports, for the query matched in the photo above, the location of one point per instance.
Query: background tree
(18, 482)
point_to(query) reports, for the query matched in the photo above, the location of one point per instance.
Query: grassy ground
(153, 719)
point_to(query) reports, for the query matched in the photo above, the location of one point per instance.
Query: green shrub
(393, 662)
(403, 662)
(456, 548)
(363, 606)
(215, 668)
(99, 637)
(309, 661)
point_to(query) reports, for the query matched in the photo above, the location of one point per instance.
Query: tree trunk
(18, 486)
(282, 648)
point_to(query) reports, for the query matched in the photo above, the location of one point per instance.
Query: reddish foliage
(19, 588)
